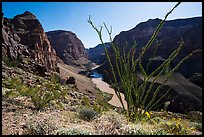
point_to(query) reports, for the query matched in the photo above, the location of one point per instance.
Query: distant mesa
(97, 54)
(68, 47)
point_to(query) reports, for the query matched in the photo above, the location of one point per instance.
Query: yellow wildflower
(177, 121)
(148, 115)
(132, 113)
(168, 123)
(177, 125)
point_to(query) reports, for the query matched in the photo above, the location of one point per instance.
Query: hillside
(78, 113)
(188, 29)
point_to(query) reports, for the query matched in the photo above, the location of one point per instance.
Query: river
(104, 87)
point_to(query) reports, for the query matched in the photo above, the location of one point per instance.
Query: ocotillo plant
(139, 96)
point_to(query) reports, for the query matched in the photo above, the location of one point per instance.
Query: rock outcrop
(25, 35)
(11, 48)
(68, 47)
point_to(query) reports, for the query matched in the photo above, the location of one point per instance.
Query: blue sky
(121, 16)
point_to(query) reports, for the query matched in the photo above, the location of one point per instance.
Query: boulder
(40, 70)
(71, 80)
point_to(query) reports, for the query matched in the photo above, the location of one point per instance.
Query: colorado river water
(103, 86)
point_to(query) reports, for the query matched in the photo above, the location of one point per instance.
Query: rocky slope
(188, 29)
(68, 47)
(24, 39)
(68, 115)
(19, 117)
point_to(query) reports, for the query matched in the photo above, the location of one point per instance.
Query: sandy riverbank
(103, 86)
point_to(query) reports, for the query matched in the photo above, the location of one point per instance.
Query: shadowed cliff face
(30, 33)
(190, 30)
(68, 47)
(97, 54)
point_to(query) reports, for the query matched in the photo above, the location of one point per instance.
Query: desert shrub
(64, 131)
(135, 131)
(47, 92)
(142, 130)
(11, 62)
(40, 127)
(155, 120)
(160, 132)
(55, 78)
(14, 84)
(195, 116)
(86, 101)
(197, 126)
(175, 127)
(108, 125)
(41, 93)
(87, 113)
(139, 95)
(101, 102)
(97, 108)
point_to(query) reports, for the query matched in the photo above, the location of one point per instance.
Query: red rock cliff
(32, 34)
(66, 42)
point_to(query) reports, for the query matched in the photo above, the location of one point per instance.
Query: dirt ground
(84, 84)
